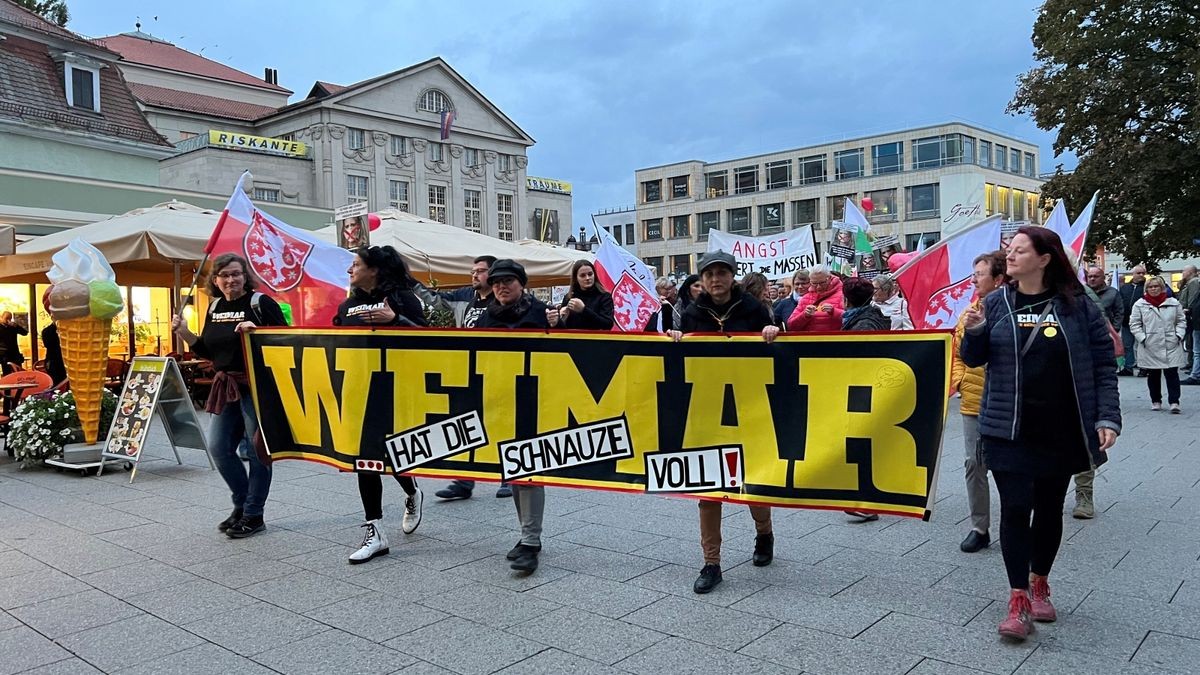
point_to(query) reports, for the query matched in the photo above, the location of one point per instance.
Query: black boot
(709, 577)
(224, 525)
(764, 549)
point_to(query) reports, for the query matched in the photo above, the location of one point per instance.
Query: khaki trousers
(710, 528)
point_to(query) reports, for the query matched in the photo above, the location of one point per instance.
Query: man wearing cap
(512, 307)
(723, 308)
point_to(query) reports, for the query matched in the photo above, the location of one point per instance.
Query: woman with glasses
(234, 309)
(820, 309)
(1159, 325)
(1050, 408)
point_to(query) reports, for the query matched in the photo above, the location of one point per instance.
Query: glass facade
(937, 151)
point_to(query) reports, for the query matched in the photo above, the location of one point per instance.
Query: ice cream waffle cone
(85, 354)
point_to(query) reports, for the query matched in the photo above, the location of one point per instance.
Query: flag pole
(942, 244)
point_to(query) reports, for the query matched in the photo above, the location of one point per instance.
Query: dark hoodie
(867, 317)
(742, 314)
(526, 312)
(597, 311)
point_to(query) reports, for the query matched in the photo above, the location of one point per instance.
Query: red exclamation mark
(731, 461)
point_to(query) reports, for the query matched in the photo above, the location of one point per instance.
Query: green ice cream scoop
(105, 301)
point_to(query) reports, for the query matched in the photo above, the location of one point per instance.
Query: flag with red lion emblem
(937, 283)
(294, 266)
(631, 283)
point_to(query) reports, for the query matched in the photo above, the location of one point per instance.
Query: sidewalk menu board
(154, 384)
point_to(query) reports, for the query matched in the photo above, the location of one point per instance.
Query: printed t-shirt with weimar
(219, 341)
(354, 309)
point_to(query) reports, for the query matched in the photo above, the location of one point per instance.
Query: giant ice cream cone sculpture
(84, 298)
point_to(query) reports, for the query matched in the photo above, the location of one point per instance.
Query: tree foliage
(54, 11)
(1120, 81)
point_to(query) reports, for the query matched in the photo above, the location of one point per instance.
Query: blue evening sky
(609, 87)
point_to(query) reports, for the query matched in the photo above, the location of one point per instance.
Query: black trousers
(1031, 511)
(1155, 384)
(370, 489)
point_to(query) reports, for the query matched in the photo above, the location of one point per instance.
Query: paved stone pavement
(100, 575)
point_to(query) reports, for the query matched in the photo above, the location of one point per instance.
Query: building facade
(922, 182)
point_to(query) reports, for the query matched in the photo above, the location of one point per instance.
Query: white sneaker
(374, 543)
(412, 512)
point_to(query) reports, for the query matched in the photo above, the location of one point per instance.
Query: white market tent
(442, 254)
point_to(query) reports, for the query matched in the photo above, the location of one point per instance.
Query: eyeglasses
(231, 275)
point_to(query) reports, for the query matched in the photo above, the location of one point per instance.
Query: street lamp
(582, 243)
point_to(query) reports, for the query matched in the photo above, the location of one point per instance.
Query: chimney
(270, 76)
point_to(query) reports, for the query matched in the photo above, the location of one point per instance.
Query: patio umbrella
(441, 253)
(146, 247)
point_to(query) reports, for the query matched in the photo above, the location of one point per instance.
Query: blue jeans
(1128, 342)
(235, 423)
(1195, 355)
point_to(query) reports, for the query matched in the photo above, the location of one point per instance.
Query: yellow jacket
(967, 381)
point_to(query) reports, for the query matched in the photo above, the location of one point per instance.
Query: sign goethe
(961, 201)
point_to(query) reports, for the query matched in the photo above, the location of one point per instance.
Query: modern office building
(922, 182)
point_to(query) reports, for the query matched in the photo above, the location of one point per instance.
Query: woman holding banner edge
(381, 295)
(724, 308)
(1050, 408)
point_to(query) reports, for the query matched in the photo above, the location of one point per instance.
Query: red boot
(1039, 590)
(1018, 625)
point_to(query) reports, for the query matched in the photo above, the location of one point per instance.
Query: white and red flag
(631, 283)
(937, 283)
(294, 266)
(1077, 235)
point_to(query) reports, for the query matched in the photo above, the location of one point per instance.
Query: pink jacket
(819, 321)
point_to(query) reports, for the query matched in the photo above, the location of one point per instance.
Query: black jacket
(597, 311)
(867, 318)
(404, 303)
(1130, 293)
(528, 312)
(742, 314)
(55, 368)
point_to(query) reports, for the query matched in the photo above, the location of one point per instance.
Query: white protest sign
(778, 256)
(695, 470)
(414, 447)
(595, 442)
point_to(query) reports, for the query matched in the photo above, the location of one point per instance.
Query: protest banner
(815, 421)
(776, 256)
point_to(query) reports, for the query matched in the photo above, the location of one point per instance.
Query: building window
(437, 152)
(629, 228)
(545, 225)
(985, 153)
(989, 199)
(836, 207)
(709, 220)
(1014, 160)
(745, 179)
(356, 139)
(681, 226)
(715, 184)
(266, 194)
(398, 195)
(1001, 158)
(804, 212)
(437, 203)
(887, 158)
(1030, 167)
(471, 157)
(921, 202)
(1032, 214)
(848, 164)
(655, 264)
(884, 206)
(652, 229)
(652, 191)
(779, 174)
(434, 101)
(397, 145)
(681, 264)
(679, 187)
(504, 163)
(82, 87)
(937, 151)
(472, 210)
(968, 149)
(739, 220)
(770, 218)
(504, 216)
(812, 169)
(912, 241)
(1004, 202)
(357, 190)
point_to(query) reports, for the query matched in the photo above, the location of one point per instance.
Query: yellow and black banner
(840, 421)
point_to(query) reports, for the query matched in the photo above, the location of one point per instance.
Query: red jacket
(819, 321)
